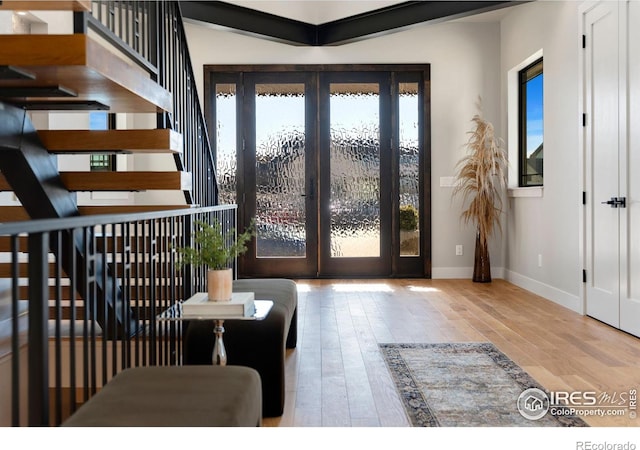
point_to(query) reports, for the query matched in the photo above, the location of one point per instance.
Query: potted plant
(481, 179)
(409, 237)
(216, 250)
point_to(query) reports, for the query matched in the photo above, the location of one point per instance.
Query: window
(531, 131)
(102, 162)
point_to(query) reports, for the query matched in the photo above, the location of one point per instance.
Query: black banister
(38, 380)
(151, 33)
(65, 336)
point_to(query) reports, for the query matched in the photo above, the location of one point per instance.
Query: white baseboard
(462, 272)
(558, 296)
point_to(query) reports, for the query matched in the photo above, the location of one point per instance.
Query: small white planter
(219, 285)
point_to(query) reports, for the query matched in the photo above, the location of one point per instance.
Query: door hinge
(584, 41)
(584, 197)
(584, 119)
(584, 276)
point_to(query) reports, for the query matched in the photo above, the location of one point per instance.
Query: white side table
(219, 356)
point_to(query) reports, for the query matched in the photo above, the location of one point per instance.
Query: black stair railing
(151, 33)
(56, 343)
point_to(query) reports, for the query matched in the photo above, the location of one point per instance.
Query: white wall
(469, 59)
(465, 64)
(548, 225)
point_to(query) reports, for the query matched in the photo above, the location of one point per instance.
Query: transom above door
(331, 161)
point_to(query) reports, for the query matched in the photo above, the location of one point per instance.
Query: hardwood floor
(336, 376)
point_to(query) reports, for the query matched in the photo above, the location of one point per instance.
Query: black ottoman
(259, 344)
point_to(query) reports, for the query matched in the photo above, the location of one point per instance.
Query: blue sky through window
(534, 113)
(98, 121)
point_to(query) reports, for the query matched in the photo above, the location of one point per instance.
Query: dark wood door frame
(398, 73)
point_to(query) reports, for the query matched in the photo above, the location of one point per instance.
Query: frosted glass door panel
(280, 170)
(355, 170)
(409, 170)
(226, 164)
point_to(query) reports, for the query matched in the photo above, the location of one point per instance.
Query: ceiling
(315, 11)
(331, 22)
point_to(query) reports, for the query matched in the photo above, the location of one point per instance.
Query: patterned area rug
(468, 384)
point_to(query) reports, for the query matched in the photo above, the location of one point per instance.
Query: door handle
(312, 190)
(616, 202)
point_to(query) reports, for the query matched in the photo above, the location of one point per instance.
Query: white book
(241, 305)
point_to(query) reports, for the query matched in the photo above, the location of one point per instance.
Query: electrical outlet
(539, 260)
(459, 250)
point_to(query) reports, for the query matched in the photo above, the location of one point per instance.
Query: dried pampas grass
(481, 178)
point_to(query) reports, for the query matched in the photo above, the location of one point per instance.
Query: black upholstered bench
(175, 396)
(258, 344)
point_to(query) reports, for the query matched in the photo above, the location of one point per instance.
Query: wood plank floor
(336, 376)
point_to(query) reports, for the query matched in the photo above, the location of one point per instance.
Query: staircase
(79, 72)
(99, 68)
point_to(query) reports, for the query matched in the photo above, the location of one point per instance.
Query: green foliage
(408, 218)
(212, 248)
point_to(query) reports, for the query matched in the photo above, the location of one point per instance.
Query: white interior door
(602, 161)
(630, 177)
(612, 140)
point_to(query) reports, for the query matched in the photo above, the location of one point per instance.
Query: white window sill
(526, 192)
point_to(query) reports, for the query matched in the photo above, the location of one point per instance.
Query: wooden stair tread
(136, 269)
(5, 243)
(46, 5)
(127, 209)
(18, 213)
(101, 141)
(13, 214)
(117, 243)
(119, 181)
(126, 181)
(85, 66)
(23, 270)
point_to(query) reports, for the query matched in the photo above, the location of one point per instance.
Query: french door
(355, 146)
(324, 160)
(279, 173)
